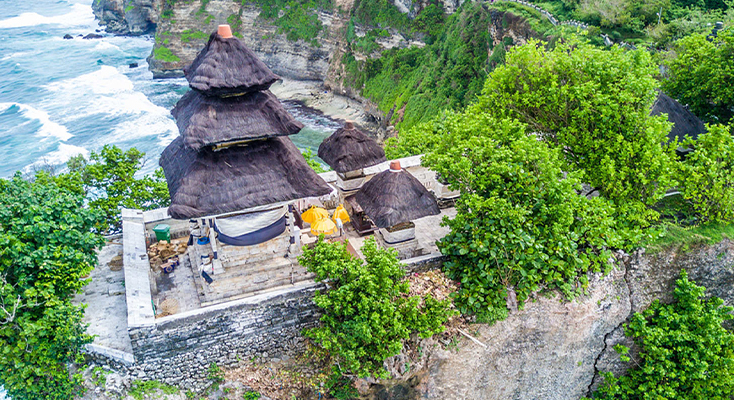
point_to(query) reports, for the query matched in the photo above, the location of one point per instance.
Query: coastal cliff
(128, 17)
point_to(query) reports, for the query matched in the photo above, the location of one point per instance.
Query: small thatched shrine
(393, 199)
(347, 151)
(684, 122)
(233, 169)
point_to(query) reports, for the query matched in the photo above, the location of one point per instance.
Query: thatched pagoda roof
(348, 149)
(395, 196)
(226, 66)
(263, 172)
(684, 122)
(209, 120)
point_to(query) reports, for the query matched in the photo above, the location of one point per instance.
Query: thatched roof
(209, 120)
(263, 172)
(348, 149)
(226, 66)
(391, 198)
(684, 122)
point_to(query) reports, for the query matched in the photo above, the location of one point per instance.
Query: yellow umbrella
(341, 213)
(325, 226)
(314, 214)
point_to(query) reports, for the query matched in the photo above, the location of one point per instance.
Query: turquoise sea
(59, 98)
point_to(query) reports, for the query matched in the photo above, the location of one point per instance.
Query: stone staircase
(242, 271)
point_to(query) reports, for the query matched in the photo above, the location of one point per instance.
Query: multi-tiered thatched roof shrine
(233, 169)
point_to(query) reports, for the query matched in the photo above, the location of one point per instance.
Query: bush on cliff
(701, 75)
(366, 311)
(706, 176)
(520, 224)
(685, 353)
(108, 180)
(46, 248)
(594, 106)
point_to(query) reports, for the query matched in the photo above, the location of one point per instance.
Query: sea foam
(81, 14)
(48, 128)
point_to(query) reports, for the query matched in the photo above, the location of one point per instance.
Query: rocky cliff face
(555, 351)
(128, 17)
(186, 26)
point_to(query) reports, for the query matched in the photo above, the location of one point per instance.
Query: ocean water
(60, 98)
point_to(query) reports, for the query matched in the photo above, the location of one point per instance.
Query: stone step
(238, 287)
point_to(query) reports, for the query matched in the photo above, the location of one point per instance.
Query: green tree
(46, 248)
(594, 105)
(686, 353)
(701, 75)
(108, 180)
(366, 311)
(520, 224)
(706, 176)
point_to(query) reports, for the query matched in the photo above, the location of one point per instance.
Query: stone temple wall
(178, 349)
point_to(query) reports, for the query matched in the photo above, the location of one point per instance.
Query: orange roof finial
(349, 125)
(395, 166)
(224, 31)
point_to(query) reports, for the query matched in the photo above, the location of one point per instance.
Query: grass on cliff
(685, 238)
(165, 54)
(297, 19)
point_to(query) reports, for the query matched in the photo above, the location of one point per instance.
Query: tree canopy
(46, 248)
(366, 311)
(520, 226)
(701, 75)
(594, 105)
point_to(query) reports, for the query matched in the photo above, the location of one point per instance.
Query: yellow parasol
(314, 214)
(341, 213)
(325, 226)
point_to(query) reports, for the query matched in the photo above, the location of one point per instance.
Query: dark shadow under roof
(227, 66)
(391, 198)
(210, 120)
(263, 172)
(349, 149)
(684, 122)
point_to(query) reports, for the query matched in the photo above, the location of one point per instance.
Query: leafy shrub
(686, 353)
(593, 105)
(188, 35)
(108, 180)
(700, 75)
(520, 225)
(311, 161)
(298, 19)
(706, 176)
(46, 248)
(251, 395)
(366, 311)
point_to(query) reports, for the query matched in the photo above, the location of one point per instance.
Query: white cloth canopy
(242, 224)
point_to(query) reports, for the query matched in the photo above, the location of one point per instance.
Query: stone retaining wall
(177, 350)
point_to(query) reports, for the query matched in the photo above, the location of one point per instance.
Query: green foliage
(215, 373)
(339, 386)
(416, 84)
(311, 161)
(188, 35)
(520, 224)
(151, 389)
(381, 13)
(235, 22)
(46, 248)
(366, 312)
(706, 176)
(100, 376)
(701, 75)
(129, 8)
(108, 179)
(298, 19)
(686, 353)
(251, 395)
(594, 105)
(163, 53)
